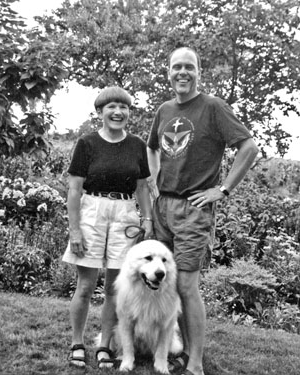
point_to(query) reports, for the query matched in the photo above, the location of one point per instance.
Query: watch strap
(224, 190)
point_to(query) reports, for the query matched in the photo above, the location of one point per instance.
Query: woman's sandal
(178, 364)
(111, 362)
(76, 360)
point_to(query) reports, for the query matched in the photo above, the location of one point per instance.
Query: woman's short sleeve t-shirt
(110, 166)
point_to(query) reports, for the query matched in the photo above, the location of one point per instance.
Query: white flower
(17, 194)
(7, 181)
(21, 202)
(2, 213)
(19, 181)
(28, 185)
(46, 195)
(42, 206)
(6, 193)
(31, 192)
(287, 199)
(59, 200)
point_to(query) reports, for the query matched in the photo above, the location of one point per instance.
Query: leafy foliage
(22, 267)
(33, 202)
(249, 51)
(243, 285)
(248, 293)
(31, 69)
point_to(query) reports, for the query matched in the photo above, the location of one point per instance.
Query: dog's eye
(149, 257)
(164, 260)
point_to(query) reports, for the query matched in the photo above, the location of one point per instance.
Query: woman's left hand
(148, 226)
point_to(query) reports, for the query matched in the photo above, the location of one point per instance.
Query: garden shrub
(13, 167)
(242, 285)
(62, 279)
(247, 293)
(280, 316)
(27, 255)
(25, 201)
(248, 217)
(22, 268)
(281, 255)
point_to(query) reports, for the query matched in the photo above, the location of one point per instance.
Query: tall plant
(31, 68)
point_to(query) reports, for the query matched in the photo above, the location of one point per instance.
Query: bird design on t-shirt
(174, 142)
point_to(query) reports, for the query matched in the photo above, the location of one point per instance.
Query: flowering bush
(249, 218)
(22, 268)
(21, 201)
(29, 254)
(248, 294)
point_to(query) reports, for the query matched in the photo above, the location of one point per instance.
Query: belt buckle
(112, 195)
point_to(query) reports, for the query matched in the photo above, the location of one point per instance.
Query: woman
(108, 171)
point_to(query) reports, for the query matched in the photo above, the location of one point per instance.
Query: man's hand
(207, 196)
(76, 243)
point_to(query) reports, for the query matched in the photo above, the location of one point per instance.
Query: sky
(73, 105)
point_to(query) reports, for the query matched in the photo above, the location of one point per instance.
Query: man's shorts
(187, 230)
(103, 222)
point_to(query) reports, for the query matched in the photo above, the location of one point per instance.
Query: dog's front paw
(161, 367)
(126, 365)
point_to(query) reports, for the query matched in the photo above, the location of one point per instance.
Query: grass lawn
(35, 338)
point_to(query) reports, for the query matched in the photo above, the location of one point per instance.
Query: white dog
(147, 305)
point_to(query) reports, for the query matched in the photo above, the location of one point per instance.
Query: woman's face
(114, 115)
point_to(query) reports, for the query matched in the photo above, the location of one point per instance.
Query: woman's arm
(154, 166)
(142, 194)
(73, 205)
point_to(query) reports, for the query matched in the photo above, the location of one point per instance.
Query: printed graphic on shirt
(177, 136)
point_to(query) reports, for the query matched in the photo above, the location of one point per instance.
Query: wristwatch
(224, 191)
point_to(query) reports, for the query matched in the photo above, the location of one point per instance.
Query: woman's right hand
(76, 243)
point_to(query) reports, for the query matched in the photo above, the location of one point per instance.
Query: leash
(135, 231)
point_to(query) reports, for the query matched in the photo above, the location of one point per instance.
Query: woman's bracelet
(147, 219)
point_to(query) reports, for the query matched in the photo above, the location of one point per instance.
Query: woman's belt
(110, 195)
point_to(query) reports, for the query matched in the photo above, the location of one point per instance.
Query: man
(185, 149)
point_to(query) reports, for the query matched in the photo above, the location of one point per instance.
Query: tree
(31, 69)
(249, 51)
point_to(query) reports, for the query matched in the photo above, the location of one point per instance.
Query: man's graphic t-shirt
(192, 137)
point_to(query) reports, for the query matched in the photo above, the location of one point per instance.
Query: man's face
(184, 74)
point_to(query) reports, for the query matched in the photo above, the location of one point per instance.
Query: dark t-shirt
(110, 166)
(192, 137)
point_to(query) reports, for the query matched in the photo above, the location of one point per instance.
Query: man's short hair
(112, 94)
(188, 49)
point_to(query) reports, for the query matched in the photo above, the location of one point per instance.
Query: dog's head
(152, 262)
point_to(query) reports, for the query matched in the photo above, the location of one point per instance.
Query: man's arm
(247, 151)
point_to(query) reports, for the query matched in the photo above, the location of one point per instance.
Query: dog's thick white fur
(147, 305)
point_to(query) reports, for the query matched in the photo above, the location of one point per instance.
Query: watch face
(223, 190)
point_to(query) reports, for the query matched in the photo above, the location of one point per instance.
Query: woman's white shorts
(103, 222)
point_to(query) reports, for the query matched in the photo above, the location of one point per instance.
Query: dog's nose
(159, 275)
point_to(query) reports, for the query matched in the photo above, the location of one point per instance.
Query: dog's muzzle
(154, 284)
